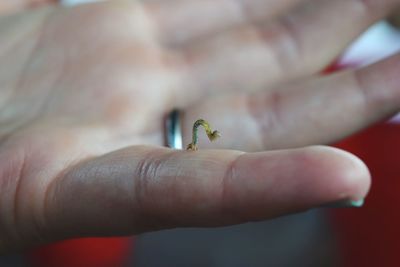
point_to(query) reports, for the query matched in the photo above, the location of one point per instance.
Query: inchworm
(212, 135)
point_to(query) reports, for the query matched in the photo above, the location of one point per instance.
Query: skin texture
(9, 7)
(84, 90)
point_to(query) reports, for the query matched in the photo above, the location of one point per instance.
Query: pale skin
(83, 92)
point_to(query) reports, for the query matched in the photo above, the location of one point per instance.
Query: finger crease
(282, 39)
(146, 171)
(226, 209)
(362, 90)
(266, 111)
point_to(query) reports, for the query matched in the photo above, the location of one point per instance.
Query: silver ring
(173, 130)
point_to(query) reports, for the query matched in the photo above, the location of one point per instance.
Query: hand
(84, 92)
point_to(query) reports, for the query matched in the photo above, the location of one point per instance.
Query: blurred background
(368, 236)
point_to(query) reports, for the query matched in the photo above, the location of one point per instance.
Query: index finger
(141, 188)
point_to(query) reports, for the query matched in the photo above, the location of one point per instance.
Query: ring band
(173, 130)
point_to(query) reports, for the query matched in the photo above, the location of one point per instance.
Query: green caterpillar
(212, 135)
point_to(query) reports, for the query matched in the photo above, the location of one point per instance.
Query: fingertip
(350, 176)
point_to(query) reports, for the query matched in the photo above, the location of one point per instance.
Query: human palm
(85, 90)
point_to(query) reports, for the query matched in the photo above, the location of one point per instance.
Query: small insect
(212, 135)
